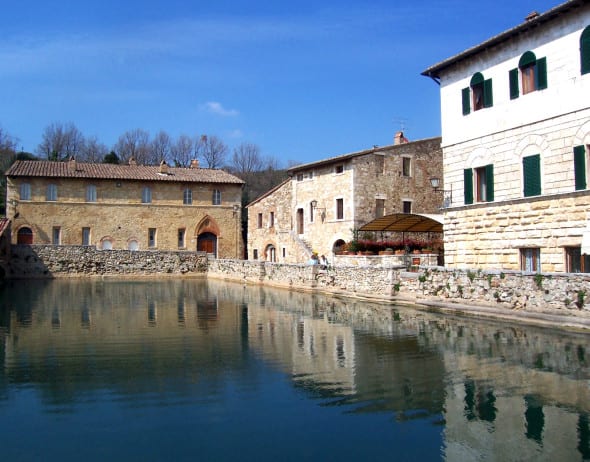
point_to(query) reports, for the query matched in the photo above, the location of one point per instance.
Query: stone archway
(270, 253)
(207, 232)
(24, 235)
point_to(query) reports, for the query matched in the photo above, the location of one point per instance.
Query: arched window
(585, 51)
(529, 76)
(478, 94)
(187, 197)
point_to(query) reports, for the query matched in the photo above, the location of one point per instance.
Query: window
(340, 209)
(187, 197)
(146, 195)
(152, 237)
(259, 220)
(271, 220)
(530, 260)
(56, 235)
(484, 184)
(585, 51)
(407, 166)
(531, 72)
(311, 209)
(216, 199)
(478, 94)
(133, 245)
(407, 206)
(181, 234)
(85, 236)
(580, 167)
(106, 244)
(575, 262)
(284, 252)
(379, 208)
(300, 177)
(25, 192)
(91, 193)
(339, 169)
(51, 192)
(531, 171)
(255, 254)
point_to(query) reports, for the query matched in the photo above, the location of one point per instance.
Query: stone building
(125, 206)
(515, 139)
(322, 202)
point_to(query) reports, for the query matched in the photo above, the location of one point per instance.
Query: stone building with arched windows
(132, 207)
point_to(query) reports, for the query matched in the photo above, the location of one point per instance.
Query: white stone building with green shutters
(515, 114)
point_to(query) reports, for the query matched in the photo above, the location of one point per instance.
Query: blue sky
(303, 80)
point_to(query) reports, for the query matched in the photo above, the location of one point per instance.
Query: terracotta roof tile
(49, 169)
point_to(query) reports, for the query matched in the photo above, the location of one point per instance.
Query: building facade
(515, 113)
(125, 206)
(322, 203)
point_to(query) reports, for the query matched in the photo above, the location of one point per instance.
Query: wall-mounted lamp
(314, 205)
(448, 193)
(236, 208)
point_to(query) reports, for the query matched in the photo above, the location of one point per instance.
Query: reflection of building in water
(315, 352)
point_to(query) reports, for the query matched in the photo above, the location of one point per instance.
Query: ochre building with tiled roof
(131, 207)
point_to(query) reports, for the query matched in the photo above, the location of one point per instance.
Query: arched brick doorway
(24, 236)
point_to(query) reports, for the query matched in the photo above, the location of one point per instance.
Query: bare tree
(7, 157)
(246, 159)
(61, 141)
(133, 144)
(212, 150)
(182, 152)
(160, 148)
(93, 151)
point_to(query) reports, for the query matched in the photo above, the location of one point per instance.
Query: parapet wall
(46, 261)
(510, 291)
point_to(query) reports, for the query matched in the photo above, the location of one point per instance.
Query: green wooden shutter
(490, 183)
(580, 167)
(531, 168)
(541, 71)
(468, 185)
(488, 97)
(585, 51)
(513, 78)
(466, 96)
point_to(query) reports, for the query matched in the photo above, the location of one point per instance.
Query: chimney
(400, 138)
(194, 163)
(132, 161)
(72, 164)
(163, 168)
(531, 15)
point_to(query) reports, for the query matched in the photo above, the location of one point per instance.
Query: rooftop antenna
(402, 122)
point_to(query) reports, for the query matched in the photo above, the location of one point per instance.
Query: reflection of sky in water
(153, 370)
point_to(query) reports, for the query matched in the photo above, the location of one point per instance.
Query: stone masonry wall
(511, 291)
(45, 261)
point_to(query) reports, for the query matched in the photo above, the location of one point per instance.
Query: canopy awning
(406, 222)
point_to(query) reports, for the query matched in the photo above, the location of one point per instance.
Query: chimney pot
(194, 163)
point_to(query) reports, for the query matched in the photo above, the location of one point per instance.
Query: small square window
(339, 169)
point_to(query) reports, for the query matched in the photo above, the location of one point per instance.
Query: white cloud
(213, 107)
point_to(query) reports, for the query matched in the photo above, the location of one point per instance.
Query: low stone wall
(45, 261)
(510, 291)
